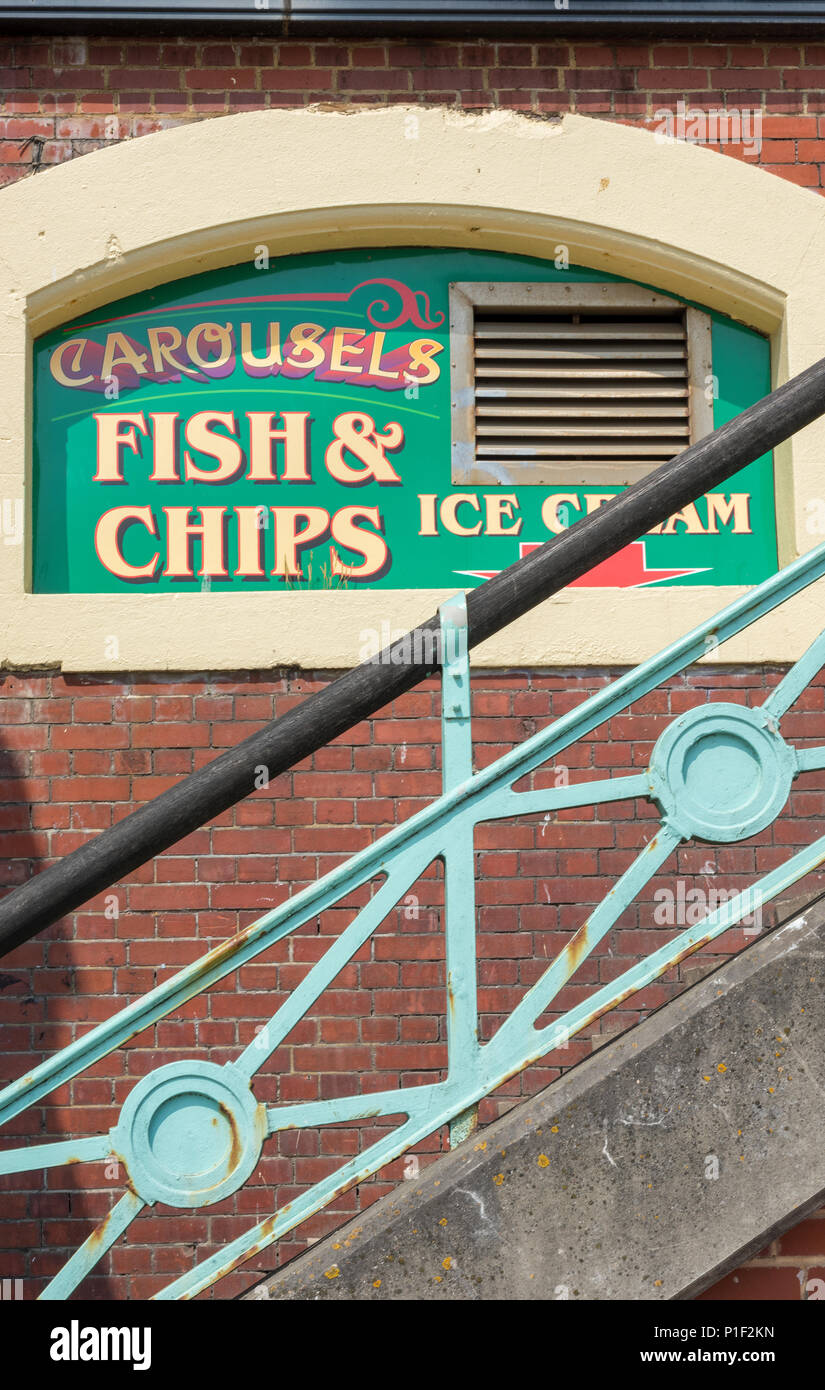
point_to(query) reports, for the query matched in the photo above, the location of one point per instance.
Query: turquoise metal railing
(191, 1132)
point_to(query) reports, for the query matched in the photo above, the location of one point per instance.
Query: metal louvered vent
(593, 393)
(580, 387)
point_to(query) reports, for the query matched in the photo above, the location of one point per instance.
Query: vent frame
(528, 297)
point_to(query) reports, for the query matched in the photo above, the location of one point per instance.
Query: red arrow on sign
(627, 569)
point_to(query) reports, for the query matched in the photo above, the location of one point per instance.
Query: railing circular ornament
(721, 772)
(190, 1134)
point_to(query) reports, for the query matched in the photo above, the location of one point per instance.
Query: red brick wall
(77, 753)
(790, 1269)
(63, 89)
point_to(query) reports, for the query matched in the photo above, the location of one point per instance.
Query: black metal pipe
(198, 798)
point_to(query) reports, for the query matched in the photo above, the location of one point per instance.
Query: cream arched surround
(673, 215)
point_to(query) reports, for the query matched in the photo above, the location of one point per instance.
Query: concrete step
(646, 1172)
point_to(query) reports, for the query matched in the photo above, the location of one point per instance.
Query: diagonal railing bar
(364, 1106)
(540, 995)
(198, 798)
(789, 689)
(324, 971)
(94, 1247)
(637, 977)
(204, 1275)
(591, 791)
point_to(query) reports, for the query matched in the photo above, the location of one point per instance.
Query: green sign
(288, 425)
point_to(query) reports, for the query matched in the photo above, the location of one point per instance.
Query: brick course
(77, 95)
